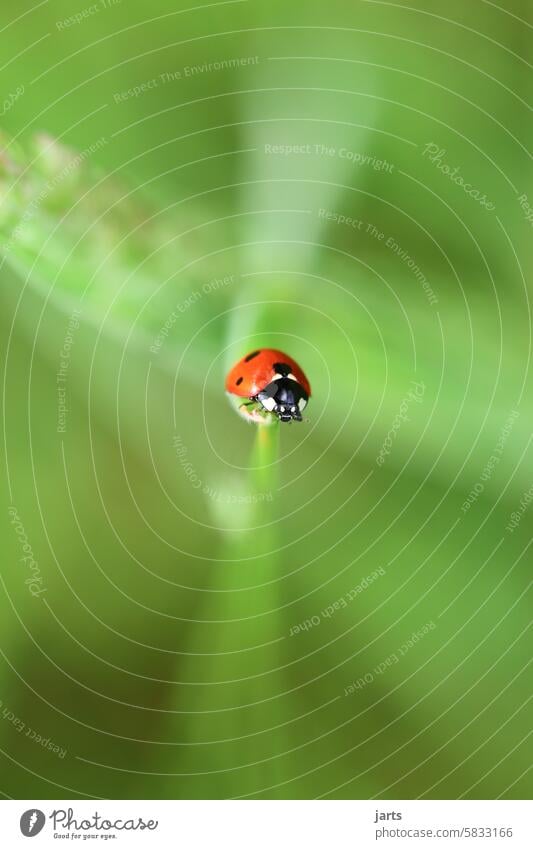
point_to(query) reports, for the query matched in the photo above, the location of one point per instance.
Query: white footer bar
(267, 824)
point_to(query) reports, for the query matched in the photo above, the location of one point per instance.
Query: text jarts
(387, 815)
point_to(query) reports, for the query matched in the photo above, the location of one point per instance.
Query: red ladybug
(272, 382)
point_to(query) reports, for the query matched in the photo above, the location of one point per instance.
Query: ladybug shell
(256, 370)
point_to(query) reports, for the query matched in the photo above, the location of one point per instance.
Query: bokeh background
(180, 184)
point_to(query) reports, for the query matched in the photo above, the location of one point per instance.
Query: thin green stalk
(264, 472)
(246, 628)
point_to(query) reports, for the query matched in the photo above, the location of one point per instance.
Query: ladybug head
(284, 396)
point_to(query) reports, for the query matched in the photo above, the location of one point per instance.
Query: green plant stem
(245, 595)
(264, 469)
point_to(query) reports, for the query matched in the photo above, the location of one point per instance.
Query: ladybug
(271, 382)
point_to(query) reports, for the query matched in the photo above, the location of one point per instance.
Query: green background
(162, 655)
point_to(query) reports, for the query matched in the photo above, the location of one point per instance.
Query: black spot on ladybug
(251, 356)
(282, 368)
(238, 382)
